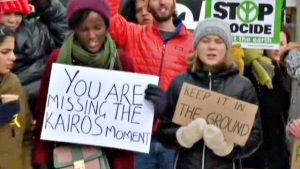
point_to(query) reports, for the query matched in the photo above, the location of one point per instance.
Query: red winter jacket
(149, 52)
(119, 159)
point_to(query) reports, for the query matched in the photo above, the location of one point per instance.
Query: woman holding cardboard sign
(202, 145)
(15, 121)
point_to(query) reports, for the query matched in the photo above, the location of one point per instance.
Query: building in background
(292, 18)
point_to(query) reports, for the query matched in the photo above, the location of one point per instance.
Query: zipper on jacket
(210, 81)
(176, 160)
(162, 62)
(203, 156)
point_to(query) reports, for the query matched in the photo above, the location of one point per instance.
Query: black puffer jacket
(35, 40)
(229, 83)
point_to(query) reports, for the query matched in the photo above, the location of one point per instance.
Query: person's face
(91, 32)
(211, 51)
(11, 20)
(7, 56)
(143, 16)
(275, 54)
(161, 10)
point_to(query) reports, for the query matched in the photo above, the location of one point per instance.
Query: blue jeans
(159, 157)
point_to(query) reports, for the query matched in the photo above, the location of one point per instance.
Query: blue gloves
(8, 111)
(158, 97)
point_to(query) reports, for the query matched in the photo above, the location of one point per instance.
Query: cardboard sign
(98, 107)
(234, 117)
(254, 24)
(295, 159)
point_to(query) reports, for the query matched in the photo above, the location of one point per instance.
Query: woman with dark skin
(88, 44)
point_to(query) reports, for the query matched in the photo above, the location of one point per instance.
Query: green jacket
(16, 143)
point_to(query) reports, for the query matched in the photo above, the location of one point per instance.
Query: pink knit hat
(19, 6)
(99, 6)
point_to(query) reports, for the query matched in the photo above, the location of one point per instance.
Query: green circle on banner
(247, 11)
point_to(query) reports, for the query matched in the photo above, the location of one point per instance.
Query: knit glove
(262, 67)
(188, 135)
(238, 55)
(158, 97)
(214, 139)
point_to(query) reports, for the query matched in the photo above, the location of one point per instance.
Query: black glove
(8, 110)
(158, 97)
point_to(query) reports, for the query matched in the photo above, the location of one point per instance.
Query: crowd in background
(145, 36)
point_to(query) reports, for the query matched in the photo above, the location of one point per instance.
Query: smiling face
(7, 56)
(275, 54)
(91, 32)
(11, 20)
(211, 51)
(143, 16)
(162, 10)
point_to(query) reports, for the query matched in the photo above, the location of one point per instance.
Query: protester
(89, 44)
(15, 118)
(272, 85)
(291, 58)
(35, 38)
(135, 11)
(158, 48)
(203, 145)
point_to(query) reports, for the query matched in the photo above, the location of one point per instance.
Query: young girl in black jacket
(202, 145)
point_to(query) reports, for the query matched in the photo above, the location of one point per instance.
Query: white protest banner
(190, 12)
(98, 107)
(234, 117)
(254, 23)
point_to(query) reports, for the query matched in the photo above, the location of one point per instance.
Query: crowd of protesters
(147, 37)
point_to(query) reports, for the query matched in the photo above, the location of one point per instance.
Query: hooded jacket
(227, 82)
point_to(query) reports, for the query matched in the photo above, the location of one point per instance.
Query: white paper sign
(98, 107)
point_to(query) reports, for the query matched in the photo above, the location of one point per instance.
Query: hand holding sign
(214, 139)
(234, 117)
(157, 96)
(294, 128)
(188, 135)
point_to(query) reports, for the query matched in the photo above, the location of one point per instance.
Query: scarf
(261, 66)
(71, 51)
(237, 54)
(292, 61)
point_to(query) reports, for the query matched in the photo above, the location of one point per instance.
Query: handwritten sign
(98, 107)
(295, 164)
(234, 117)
